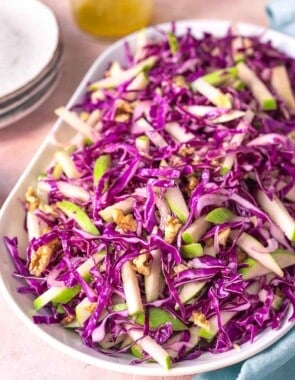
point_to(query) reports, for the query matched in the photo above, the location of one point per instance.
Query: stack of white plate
(30, 57)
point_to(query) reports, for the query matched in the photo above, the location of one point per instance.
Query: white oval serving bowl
(12, 217)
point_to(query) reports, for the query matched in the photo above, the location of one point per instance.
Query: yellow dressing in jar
(112, 18)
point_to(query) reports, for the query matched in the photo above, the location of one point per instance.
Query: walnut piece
(32, 201)
(172, 226)
(179, 268)
(142, 265)
(185, 150)
(124, 110)
(223, 236)
(180, 81)
(90, 308)
(67, 319)
(192, 183)
(241, 256)
(200, 320)
(41, 258)
(124, 222)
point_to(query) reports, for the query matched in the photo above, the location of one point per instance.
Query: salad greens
(166, 227)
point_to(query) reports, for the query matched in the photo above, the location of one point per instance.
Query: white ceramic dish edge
(57, 336)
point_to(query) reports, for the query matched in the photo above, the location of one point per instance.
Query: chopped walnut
(223, 236)
(200, 320)
(279, 293)
(67, 320)
(236, 347)
(124, 110)
(192, 183)
(124, 222)
(179, 268)
(141, 264)
(32, 201)
(241, 256)
(172, 226)
(185, 150)
(209, 242)
(84, 116)
(175, 161)
(90, 308)
(180, 81)
(41, 258)
(254, 221)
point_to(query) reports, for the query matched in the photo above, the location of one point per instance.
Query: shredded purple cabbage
(264, 160)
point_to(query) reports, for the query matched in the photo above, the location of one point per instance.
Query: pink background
(22, 354)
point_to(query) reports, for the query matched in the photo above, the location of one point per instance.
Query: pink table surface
(22, 354)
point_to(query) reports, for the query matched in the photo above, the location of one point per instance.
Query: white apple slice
(278, 213)
(152, 281)
(178, 133)
(126, 206)
(131, 289)
(149, 345)
(264, 97)
(213, 94)
(196, 230)
(256, 250)
(214, 114)
(124, 75)
(281, 84)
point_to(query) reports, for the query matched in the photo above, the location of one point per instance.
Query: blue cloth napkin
(278, 361)
(275, 363)
(281, 15)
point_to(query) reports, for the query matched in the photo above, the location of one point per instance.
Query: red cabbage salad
(165, 228)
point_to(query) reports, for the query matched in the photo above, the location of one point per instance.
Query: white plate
(12, 217)
(31, 103)
(29, 37)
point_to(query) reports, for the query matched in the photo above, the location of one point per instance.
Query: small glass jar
(112, 18)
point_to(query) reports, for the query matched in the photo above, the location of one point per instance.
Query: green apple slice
(218, 77)
(64, 294)
(84, 309)
(219, 215)
(101, 166)
(256, 250)
(79, 215)
(210, 333)
(276, 303)
(142, 144)
(255, 269)
(177, 203)
(278, 213)
(158, 317)
(173, 43)
(190, 290)
(149, 345)
(189, 251)
(196, 230)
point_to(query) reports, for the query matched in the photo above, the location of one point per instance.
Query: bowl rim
(152, 370)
